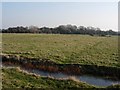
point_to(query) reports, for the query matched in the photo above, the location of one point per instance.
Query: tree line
(62, 29)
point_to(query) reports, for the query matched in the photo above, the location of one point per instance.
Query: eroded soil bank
(73, 69)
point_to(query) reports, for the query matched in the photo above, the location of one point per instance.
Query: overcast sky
(97, 14)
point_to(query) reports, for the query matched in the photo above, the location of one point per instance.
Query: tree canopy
(62, 29)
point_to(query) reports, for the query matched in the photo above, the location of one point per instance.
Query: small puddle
(93, 80)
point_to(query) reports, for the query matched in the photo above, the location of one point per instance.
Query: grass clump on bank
(114, 86)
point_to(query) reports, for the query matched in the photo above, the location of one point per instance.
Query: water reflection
(98, 81)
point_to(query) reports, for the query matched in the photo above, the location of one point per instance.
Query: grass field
(63, 49)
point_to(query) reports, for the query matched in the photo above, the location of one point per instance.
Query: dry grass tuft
(73, 78)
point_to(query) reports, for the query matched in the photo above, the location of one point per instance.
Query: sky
(59, 0)
(52, 14)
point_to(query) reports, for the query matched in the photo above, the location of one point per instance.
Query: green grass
(80, 49)
(13, 78)
(62, 49)
(114, 86)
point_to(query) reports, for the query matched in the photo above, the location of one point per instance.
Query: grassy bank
(13, 78)
(64, 49)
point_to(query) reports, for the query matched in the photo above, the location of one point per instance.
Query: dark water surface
(93, 80)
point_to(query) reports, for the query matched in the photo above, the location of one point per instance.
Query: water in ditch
(93, 80)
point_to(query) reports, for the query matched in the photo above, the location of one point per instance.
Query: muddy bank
(74, 69)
